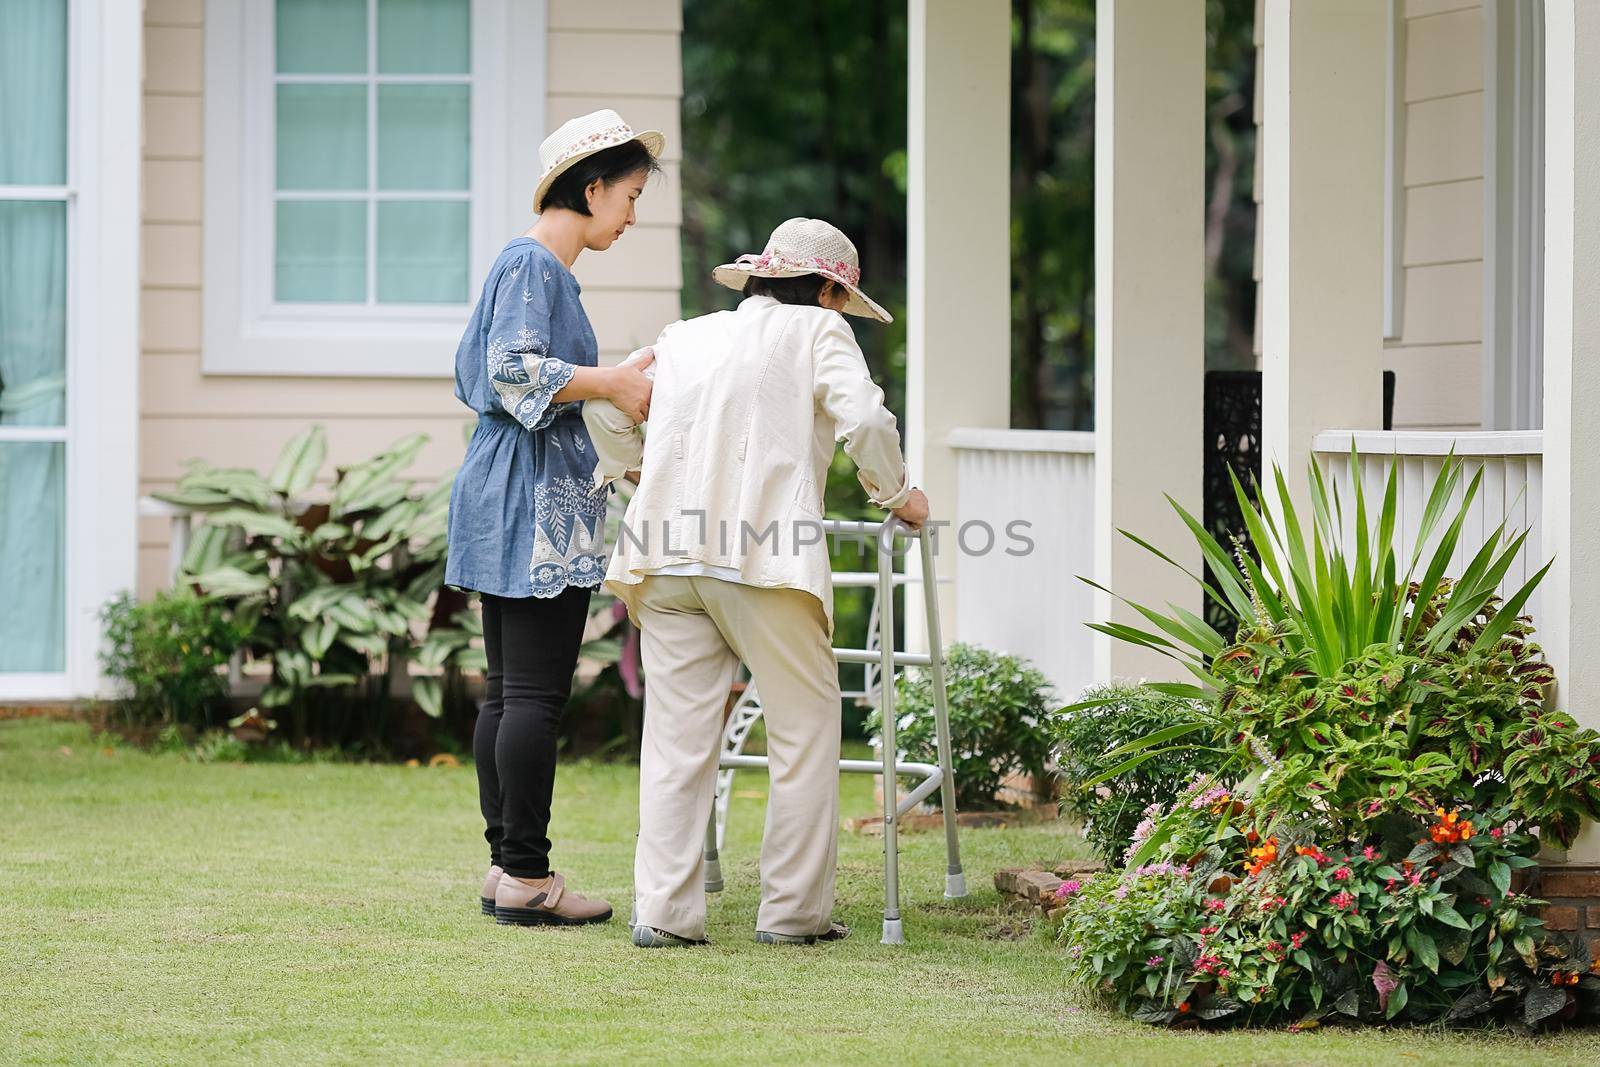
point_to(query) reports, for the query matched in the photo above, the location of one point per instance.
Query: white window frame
(245, 331)
(105, 41)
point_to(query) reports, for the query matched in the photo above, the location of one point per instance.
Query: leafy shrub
(332, 590)
(1108, 718)
(998, 711)
(1389, 761)
(167, 652)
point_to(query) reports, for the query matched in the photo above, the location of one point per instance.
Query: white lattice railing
(1512, 462)
(1031, 605)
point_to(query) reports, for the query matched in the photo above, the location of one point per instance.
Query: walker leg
(955, 881)
(893, 932)
(713, 861)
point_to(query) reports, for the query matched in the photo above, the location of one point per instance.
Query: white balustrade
(1032, 604)
(1512, 462)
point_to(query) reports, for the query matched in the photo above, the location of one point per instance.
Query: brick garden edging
(1035, 888)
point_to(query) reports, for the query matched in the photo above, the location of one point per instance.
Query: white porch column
(1570, 617)
(1149, 309)
(1322, 141)
(958, 255)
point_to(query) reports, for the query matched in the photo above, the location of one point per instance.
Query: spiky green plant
(1332, 595)
(1361, 681)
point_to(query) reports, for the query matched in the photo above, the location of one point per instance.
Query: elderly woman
(526, 524)
(721, 560)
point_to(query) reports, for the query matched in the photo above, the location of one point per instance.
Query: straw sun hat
(580, 138)
(806, 246)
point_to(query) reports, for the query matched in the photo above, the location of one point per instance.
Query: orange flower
(1183, 1008)
(1262, 856)
(1449, 829)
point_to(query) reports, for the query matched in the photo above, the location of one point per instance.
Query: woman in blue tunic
(526, 523)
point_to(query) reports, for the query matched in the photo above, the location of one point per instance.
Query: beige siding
(1437, 357)
(1444, 223)
(602, 53)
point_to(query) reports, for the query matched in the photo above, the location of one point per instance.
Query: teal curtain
(33, 364)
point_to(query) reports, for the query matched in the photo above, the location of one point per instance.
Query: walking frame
(879, 660)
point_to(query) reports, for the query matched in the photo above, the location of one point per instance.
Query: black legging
(532, 647)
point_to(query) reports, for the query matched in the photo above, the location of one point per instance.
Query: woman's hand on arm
(626, 386)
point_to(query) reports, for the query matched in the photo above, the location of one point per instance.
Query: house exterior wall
(1437, 355)
(622, 54)
(1437, 352)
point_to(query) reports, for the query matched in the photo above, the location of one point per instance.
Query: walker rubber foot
(955, 886)
(713, 876)
(893, 932)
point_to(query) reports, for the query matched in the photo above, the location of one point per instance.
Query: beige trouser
(694, 633)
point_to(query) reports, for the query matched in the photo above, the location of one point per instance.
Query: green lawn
(156, 910)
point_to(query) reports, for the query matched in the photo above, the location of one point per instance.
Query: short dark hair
(801, 289)
(609, 166)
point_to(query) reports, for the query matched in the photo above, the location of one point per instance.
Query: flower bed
(1420, 920)
(1385, 768)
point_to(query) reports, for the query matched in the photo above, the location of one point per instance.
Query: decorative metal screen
(1232, 427)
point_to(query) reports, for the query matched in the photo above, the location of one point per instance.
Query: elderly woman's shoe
(545, 902)
(650, 937)
(834, 932)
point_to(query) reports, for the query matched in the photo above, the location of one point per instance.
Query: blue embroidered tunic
(525, 519)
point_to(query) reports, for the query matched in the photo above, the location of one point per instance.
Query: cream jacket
(746, 408)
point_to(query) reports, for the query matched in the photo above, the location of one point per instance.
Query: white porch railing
(1030, 605)
(1033, 605)
(1512, 462)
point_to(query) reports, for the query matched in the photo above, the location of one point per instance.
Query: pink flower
(1369, 853)
(1497, 832)
(1343, 900)
(1298, 939)
(1214, 904)
(1066, 889)
(1207, 931)
(1155, 961)
(1414, 877)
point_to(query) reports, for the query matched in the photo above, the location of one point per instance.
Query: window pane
(322, 252)
(422, 136)
(322, 137)
(422, 252)
(33, 572)
(33, 303)
(423, 37)
(33, 92)
(322, 36)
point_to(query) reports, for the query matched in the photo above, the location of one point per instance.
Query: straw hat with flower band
(580, 138)
(806, 246)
